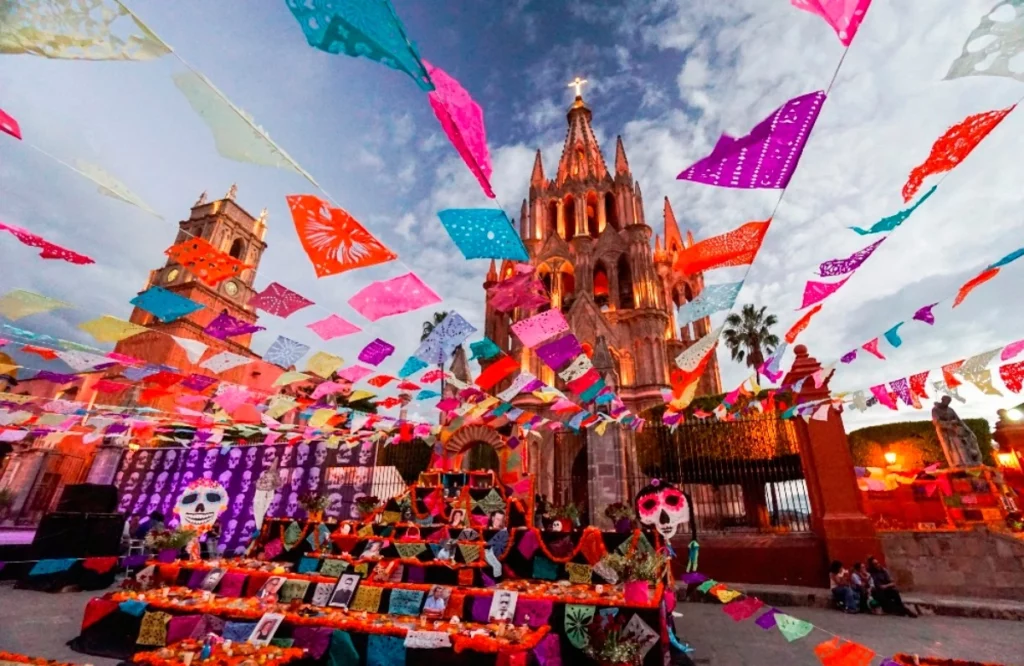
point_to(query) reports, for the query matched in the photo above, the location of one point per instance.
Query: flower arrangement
(619, 511)
(638, 565)
(313, 502)
(608, 644)
(168, 539)
(367, 505)
(569, 512)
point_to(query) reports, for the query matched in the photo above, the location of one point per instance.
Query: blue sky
(668, 76)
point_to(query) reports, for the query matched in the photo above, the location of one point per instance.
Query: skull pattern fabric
(662, 506)
(148, 481)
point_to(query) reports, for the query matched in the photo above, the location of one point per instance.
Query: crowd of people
(867, 588)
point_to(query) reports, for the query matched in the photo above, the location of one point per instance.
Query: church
(587, 236)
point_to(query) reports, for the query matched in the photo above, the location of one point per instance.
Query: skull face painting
(269, 456)
(211, 458)
(662, 506)
(302, 454)
(234, 457)
(250, 457)
(320, 454)
(200, 504)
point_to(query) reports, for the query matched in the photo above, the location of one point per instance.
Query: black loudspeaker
(88, 498)
(78, 535)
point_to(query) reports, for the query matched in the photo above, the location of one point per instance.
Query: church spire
(581, 156)
(673, 239)
(621, 163)
(537, 179)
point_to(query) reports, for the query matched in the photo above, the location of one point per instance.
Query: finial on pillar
(232, 191)
(264, 215)
(201, 200)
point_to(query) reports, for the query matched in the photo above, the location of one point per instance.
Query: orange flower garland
(35, 661)
(174, 655)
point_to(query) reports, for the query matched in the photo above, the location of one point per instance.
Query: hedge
(914, 442)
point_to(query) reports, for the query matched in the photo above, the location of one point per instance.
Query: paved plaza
(39, 624)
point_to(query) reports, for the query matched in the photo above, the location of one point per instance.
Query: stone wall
(977, 563)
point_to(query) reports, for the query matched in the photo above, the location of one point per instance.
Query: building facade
(587, 235)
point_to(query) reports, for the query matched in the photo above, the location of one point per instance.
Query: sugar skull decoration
(200, 504)
(662, 506)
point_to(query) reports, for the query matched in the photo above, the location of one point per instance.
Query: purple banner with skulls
(153, 479)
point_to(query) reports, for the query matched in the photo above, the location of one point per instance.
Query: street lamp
(890, 457)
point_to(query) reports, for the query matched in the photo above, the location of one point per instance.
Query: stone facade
(978, 563)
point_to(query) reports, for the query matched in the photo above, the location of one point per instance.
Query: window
(481, 456)
(601, 293)
(593, 226)
(625, 284)
(553, 218)
(568, 281)
(569, 213)
(237, 249)
(610, 216)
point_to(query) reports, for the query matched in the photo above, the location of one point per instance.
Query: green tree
(429, 326)
(749, 337)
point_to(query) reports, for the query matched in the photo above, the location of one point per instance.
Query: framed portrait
(344, 591)
(503, 606)
(212, 579)
(265, 629)
(458, 518)
(271, 588)
(437, 601)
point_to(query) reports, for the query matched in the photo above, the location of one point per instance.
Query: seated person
(155, 521)
(885, 591)
(863, 584)
(842, 592)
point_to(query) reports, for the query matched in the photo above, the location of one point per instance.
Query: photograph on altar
(265, 628)
(344, 591)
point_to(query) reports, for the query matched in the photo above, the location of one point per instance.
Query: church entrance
(481, 456)
(572, 474)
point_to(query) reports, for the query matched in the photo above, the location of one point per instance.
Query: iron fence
(741, 476)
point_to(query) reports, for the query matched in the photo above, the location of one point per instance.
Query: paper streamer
(333, 240)
(713, 298)
(993, 45)
(112, 187)
(48, 250)
(843, 16)
(398, 295)
(815, 292)
(483, 233)
(738, 247)
(462, 120)
(835, 267)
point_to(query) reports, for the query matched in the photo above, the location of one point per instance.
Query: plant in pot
(366, 505)
(637, 570)
(608, 643)
(621, 515)
(168, 543)
(314, 504)
(564, 518)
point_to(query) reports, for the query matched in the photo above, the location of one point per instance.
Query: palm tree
(749, 337)
(428, 326)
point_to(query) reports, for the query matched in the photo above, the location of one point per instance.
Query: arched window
(593, 228)
(688, 293)
(237, 248)
(544, 273)
(602, 297)
(553, 217)
(677, 297)
(625, 284)
(568, 280)
(569, 212)
(481, 455)
(610, 215)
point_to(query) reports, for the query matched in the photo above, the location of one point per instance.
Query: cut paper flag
(892, 221)
(111, 329)
(20, 303)
(385, 298)
(496, 372)
(713, 298)
(834, 267)
(518, 289)
(559, 352)
(8, 125)
(369, 28)
(540, 328)
(444, 339)
(973, 283)
(112, 187)
(1013, 256)
(284, 352)
(289, 377)
(982, 380)
(411, 366)
(815, 292)
(376, 351)
(165, 305)
(49, 250)
(838, 652)
(953, 147)
(843, 16)
(225, 326)
(278, 300)
(333, 240)
(483, 233)
(224, 361)
(801, 324)
(733, 248)
(483, 350)
(1011, 350)
(883, 396)
(925, 314)
(323, 364)
(354, 373)
(765, 158)
(77, 30)
(992, 48)
(1012, 375)
(792, 628)
(80, 361)
(462, 120)
(892, 335)
(332, 327)
(203, 260)
(871, 347)
(235, 133)
(902, 390)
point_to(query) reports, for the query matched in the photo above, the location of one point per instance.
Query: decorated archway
(471, 447)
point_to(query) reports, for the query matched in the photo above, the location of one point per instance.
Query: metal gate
(742, 476)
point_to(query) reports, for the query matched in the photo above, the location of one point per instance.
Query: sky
(669, 76)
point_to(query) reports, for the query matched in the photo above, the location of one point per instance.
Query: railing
(741, 476)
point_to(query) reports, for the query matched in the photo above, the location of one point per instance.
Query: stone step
(924, 604)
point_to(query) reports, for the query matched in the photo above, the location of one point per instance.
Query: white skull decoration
(662, 506)
(154, 504)
(161, 481)
(187, 479)
(193, 458)
(211, 459)
(302, 454)
(275, 504)
(250, 457)
(249, 528)
(225, 478)
(297, 474)
(286, 456)
(246, 481)
(133, 481)
(365, 453)
(172, 455)
(333, 505)
(158, 458)
(147, 481)
(200, 504)
(234, 457)
(229, 531)
(313, 479)
(143, 458)
(269, 456)
(238, 505)
(125, 502)
(320, 454)
(140, 502)
(292, 508)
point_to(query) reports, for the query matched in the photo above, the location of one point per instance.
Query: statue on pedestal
(958, 441)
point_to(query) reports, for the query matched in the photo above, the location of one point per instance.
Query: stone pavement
(716, 639)
(39, 624)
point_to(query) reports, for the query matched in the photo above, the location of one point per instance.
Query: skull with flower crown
(662, 506)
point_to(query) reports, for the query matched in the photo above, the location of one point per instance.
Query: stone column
(837, 513)
(605, 485)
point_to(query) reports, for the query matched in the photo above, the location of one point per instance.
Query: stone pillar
(837, 514)
(605, 484)
(104, 465)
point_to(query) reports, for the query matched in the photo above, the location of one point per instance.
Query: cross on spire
(578, 84)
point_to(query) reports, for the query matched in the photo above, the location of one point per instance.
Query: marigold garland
(173, 655)
(35, 661)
